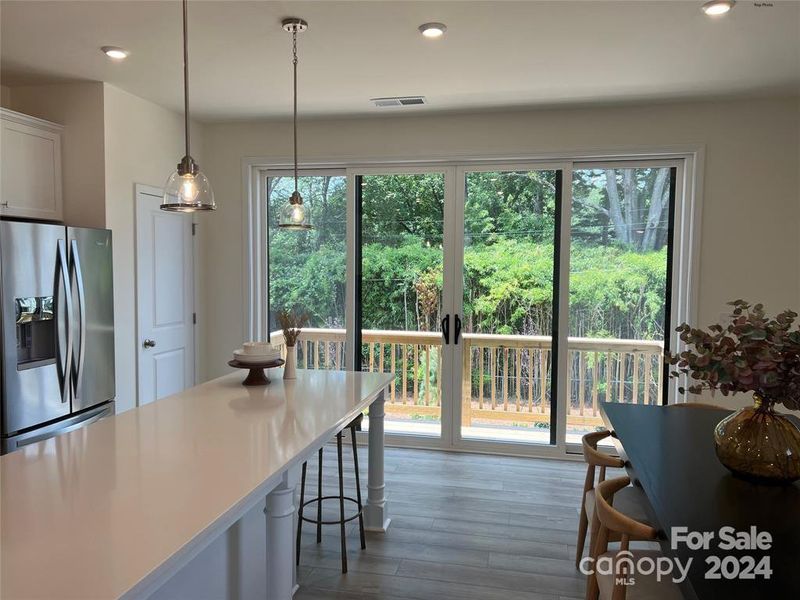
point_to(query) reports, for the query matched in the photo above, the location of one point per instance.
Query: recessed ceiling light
(115, 52)
(718, 7)
(432, 30)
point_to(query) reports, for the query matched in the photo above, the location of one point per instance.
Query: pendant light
(294, 214)
(187, 189)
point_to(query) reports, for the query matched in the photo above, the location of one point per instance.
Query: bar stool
(355, 425)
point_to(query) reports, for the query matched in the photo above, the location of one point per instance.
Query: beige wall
(79, 108)
(751, 199)
(143, 143)
(5, 96)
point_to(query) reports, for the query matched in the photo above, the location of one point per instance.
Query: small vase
(290, 368)
(757, 444)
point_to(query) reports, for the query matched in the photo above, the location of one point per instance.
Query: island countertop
(97, 512)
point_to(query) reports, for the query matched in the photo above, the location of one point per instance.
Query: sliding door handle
(457, 332)
(446, 329)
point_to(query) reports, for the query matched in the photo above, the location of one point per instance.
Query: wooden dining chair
(631, 501)
(609, 586)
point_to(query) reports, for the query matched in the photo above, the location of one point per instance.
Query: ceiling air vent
(398, 101)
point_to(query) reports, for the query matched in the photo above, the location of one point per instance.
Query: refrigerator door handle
(64, 318)
(76, 279)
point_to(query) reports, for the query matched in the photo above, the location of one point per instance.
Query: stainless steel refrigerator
(57, 330)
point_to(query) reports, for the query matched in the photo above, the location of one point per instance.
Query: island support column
(376, 515)
(280, 541)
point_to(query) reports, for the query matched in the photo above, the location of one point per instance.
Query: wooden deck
(464, 527)
(505, 379)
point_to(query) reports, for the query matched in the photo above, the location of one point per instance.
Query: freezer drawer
(50, 431)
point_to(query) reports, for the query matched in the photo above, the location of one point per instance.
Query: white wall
(79, 108)
(143, 143)
(751, 199)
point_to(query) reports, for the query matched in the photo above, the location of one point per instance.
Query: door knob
(149, 344)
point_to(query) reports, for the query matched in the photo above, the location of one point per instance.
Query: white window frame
(256, 248)
(688, 159)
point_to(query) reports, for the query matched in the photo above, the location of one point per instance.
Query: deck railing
(504, 378)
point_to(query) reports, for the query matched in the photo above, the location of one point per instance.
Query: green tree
(627, 206)
(617, 254)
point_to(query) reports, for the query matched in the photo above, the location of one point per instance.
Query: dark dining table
(670, 453)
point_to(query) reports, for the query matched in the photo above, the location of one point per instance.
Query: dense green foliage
(616, 287)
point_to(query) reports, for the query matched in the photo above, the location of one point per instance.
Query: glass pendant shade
(294, 214)
(187, 189)
(188, 192)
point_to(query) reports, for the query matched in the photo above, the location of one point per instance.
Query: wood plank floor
(464, 527)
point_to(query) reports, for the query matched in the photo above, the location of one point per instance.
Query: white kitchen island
(159, 497)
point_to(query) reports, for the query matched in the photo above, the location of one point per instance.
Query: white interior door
(165, 298)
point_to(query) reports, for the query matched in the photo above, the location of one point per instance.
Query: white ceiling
(494, 54)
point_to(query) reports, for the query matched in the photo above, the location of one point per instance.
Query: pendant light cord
(186, 73)
(294, 64)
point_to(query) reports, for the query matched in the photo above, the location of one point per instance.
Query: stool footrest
(336, 521)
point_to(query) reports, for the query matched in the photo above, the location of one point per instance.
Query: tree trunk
(631, 208)
(658, 202)
(321, 217)
(615, 207)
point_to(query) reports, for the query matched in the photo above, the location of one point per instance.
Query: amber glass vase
(758, 444)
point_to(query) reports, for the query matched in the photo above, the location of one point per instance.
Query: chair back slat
(612, 519)
(593, 456)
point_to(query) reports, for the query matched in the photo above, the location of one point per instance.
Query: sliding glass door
(458, 299)
(401, 247)
(507, 283)
(621, 240)
(509, 300)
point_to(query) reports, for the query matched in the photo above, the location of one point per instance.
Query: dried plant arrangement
(753, 353)
(292, 323)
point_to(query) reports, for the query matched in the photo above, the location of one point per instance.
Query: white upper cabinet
(30, 167)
